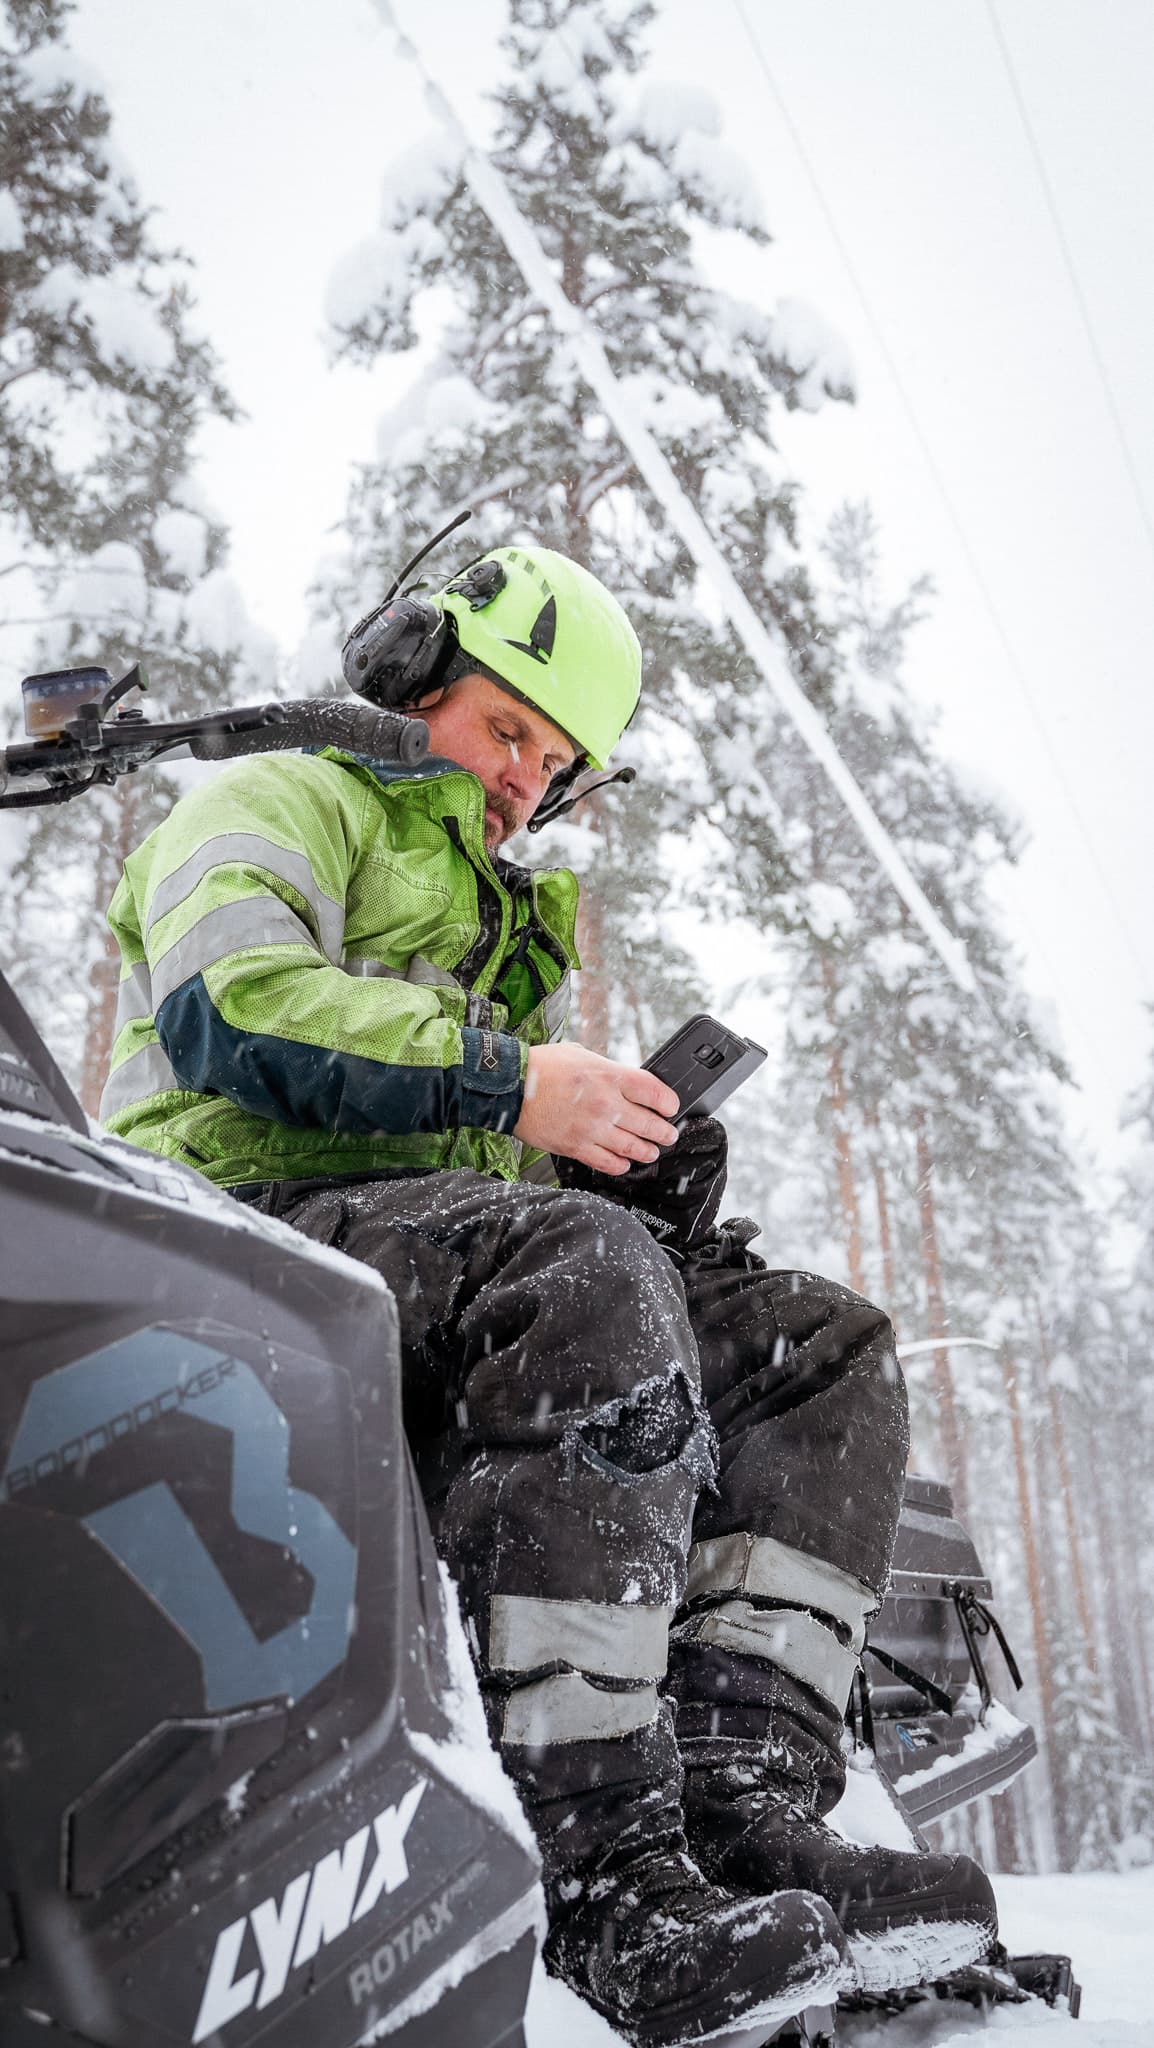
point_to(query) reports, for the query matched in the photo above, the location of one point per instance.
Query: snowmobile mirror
(134, 678)
(52, 699)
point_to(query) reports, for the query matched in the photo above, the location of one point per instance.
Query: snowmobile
(245, 1789)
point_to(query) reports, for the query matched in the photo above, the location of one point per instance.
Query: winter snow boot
(634, 1927)
(763, 1764)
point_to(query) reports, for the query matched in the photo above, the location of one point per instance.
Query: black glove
(678, 1196)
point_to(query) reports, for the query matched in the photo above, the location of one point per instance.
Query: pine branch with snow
(621, 179)
(108, 550)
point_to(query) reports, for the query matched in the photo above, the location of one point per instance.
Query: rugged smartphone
(704, 1063)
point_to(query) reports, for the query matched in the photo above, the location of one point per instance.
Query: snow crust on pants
(553, 1365)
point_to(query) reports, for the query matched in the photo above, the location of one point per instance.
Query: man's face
(513, 749)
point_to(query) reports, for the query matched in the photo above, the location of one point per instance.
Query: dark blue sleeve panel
(309, 1085)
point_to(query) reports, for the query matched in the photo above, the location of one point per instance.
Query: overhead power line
(1013, 664)
(1079, 295)
(493, 195)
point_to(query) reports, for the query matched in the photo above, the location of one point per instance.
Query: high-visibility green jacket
(324, 972)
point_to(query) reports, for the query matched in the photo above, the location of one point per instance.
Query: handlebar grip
(322, 722)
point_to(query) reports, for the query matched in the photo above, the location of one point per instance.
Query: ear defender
(398, 651)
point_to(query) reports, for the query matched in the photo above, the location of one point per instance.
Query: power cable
(492, 192)
(1079, 295)
(960, 535)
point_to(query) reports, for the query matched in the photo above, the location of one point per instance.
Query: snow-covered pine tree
(1092, 1446)
(107, 552)
(102, 381)
(926, 1103)
(900, 1070)
(1125, 1448)
(500, 420)
(199, 651)
(944, 1156)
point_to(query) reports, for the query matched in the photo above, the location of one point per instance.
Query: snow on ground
(1105, 1923)
(556, 2019)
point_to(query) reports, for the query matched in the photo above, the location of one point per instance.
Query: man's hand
(580, 1106)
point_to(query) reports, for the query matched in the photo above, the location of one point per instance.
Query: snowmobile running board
(1000, 1980)
(927, 1709)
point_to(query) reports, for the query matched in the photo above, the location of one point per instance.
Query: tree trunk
(843, 1151)
(885, 1228)
(1042, 1661)
(1059, 1621)
(953, 1446)
(1008, 1854)
(1073, 1537)
(1122, 1624)
(113, 846)
(1131, 1488)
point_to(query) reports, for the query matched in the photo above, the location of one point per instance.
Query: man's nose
(524, 774)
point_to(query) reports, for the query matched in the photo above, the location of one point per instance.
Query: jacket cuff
(493, 1067)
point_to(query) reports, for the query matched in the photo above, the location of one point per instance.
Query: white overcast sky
(908, 206)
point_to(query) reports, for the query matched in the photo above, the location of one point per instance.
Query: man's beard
(507, 812)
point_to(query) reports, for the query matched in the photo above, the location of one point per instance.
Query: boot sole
(900, 1958)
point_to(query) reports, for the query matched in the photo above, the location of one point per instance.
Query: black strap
(519, 957)
(917, 1679)
(861, 1688)
(976, 1619)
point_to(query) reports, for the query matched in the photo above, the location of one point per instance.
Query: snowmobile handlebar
(92, 748)
(318, 722)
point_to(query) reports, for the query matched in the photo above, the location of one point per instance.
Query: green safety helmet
(553, 635)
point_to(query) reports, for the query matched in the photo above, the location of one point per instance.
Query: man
(340, 1002)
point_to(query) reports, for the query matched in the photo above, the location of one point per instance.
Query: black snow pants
(581, 1411)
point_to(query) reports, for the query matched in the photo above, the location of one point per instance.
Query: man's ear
(430, 698)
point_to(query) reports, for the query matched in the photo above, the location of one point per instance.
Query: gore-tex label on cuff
(491, 1061)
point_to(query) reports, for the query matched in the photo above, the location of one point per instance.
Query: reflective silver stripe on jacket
(610, 1642)
(796, 1643)
(554, 1009)
(230, 928)
(251, 849)
(133, 997)
(760, 1565)
(569, 1709)
(426, 972)
(143, 1073)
